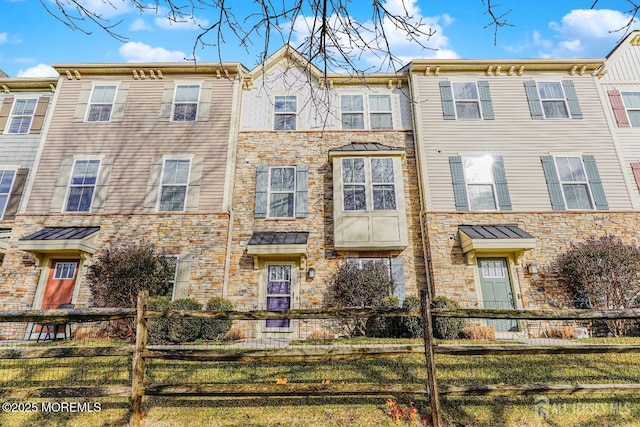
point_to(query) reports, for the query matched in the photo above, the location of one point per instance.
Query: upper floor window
(632, 105)
(82, 185)
(173, 185)
(22, 115)
(554, 104)
(368, 179)
(6, 183)
(282, 187)
(101, 103)
(574, 182)
(478, 174)
(185, 106)
(467, 100)
(380, 114)
(353, 109)
(285, 113)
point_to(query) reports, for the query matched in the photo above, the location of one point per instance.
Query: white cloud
(140, 52)
(139, 25)
(583, 33)
(40, 70)
(108, 9)
(4, 37)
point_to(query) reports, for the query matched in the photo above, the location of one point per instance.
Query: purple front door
(279, 294)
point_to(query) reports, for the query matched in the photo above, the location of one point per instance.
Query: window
(101, 103)
(632, 104)
(282, 185)
(574, 182)
(467, 100)
(174, 184)
(285, 109)
(171, 283)
(478, 174)
(356, 184)
(82, 185)
(22, 115)
(185, 106)
(380, 115)
(279, 293)
(553, 100)
(394, 268)
(65, 270)
(352, 111)
(6, 183)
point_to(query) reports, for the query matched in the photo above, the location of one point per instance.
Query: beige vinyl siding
(624, 65)
(135, 141)
(517, 137)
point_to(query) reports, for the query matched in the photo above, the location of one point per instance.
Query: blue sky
(31, 39)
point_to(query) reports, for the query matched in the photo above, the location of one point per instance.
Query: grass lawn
(623, 410)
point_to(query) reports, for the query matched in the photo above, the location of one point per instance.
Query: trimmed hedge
(411, 326)
(158, 329)
(216, 329)
(447, 328)
(183, 330)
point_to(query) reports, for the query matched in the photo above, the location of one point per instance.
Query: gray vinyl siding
(135, 141)
(515, 136)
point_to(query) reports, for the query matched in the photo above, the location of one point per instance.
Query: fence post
(434, 397)
(137, 373)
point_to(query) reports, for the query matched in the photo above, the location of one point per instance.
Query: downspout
(230, 175)
(417, 127)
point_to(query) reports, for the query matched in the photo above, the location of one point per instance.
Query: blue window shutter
(485, 100)
(572, 99)
(302, 179)
(459, 185)
(397, 275)
(535, 108)
(553, 183)
(448, 109)
(500, 180)
(595, 183)
(262, 182)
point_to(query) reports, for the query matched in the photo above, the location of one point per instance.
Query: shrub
(411, 326)
(383, 326)
(487, 333)
(446, 328)
(215, 329)
(117, 275)
(157, 330)
(234, 334)
(602, 273)
(183, 330)
(562, 332)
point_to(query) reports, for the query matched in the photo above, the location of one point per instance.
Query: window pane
(351, 103)
(85, 172)
(185, 112)
(467, 90)
(285, 104)
(23, 107)
(6, 178)
(284, 122)
(634, 118)
(354, 198)
(577, 196)
(187, 93)
(382, 170)
(99, 113)
(380, 102)
(381, 121)
(20, 125)
(3, 202)
(550, 90)
(281, 205)
(105, 94)
(79, 199)
(481, 197)
(282, 179)
(352, 121)
(352, 170)
(555, 109)
(468, 110)
(384, 198)
(631, 99)
(570, 169)
(478, 169)
(172, 198)
(176, 171)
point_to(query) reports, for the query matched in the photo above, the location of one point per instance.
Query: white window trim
(627, 109)
(173, 103)
(62, 263)
(13, 181)
(366, 112)
(369, 184)
(455, 101)
(93, 195)
(89, 103)
(370, 111)
(564, 198)
(563, 99)
(187, 185)
(269, 192)
(176, 257)
(12, 115)
(275, 113)
(492, 183)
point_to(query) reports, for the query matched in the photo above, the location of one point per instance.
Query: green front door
(496, 290)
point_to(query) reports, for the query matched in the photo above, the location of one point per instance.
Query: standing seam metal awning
(498, 238)
(61, 239)
(279, 244)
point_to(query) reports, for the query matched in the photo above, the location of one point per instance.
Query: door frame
(293, 330)
(45, 270)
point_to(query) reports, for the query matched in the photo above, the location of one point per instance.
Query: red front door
(62, 279)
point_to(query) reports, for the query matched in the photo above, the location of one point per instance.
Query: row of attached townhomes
(465, 177)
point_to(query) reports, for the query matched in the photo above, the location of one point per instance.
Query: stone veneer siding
(554, 233)
(312, 149)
